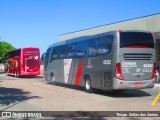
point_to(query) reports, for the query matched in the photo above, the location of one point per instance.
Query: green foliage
(4, 47)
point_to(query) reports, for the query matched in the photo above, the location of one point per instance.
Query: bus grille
(137, 56)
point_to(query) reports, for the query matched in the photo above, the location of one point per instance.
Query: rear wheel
(88, 85)
(16, 74)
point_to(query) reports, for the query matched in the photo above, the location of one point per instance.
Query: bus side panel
(99, 69)
(75, 72)
(56, 68)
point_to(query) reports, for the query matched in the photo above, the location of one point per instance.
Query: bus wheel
(16, 74)
(88, 86)
(52, 78)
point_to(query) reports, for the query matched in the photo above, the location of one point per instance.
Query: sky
(37, 23)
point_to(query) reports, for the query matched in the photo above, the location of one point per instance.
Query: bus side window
(47, 57)
(90, 47)
(79, 49)
(43, 58)
(54, 54)
(61, 52)
(104, 44)
(70, 50)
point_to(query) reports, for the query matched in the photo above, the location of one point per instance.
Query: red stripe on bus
(78, 75)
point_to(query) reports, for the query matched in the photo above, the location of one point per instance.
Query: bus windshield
(136, 40)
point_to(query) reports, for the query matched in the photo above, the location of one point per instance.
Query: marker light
(154, 71)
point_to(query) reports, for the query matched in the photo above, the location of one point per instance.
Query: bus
(116, 60)
(23, 62)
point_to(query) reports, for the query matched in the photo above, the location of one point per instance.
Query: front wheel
(52, 78)
(88, 86)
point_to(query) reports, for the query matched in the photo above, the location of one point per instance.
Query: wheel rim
(88, 84)
(52, 78)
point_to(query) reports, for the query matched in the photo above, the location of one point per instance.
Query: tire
(157, 79)
(52, 78)
(15, 74)
(88, 85)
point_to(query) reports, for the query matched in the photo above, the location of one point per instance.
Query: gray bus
(116, 60)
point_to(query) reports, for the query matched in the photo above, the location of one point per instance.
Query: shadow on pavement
(67, 86)
(123, 94)
(126, 93)
(31, 77)
(13, 95)
(26, 77)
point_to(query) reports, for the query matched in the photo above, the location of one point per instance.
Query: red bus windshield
(31, 59)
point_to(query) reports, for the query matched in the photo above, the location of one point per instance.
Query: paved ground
(35, 94)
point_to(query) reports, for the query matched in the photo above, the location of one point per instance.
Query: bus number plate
(138, 83)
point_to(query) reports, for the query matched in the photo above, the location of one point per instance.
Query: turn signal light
(118, 73)
(154, 71)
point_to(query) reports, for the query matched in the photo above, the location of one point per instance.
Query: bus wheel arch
(52, 77)
(88, 84)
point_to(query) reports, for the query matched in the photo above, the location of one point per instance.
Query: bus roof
(81, 38)
(21, 49)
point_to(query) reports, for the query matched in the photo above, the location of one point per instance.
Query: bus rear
(30, 59)
(135, 66)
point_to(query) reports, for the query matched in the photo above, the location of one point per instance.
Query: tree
(4, 47)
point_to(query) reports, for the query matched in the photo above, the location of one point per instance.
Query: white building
(148, 23)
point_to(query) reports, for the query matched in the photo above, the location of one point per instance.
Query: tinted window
(90, 47)
(70, 50)
(58, 52)
(47, 57)
(104, 44)
(80, 49)
(129, 39)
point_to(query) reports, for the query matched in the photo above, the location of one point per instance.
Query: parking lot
(34, 93)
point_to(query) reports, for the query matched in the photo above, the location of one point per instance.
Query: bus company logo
(21, 114)
(129, 64)
(6, 114)
(89, 64)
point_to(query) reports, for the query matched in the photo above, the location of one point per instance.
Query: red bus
(23, 62)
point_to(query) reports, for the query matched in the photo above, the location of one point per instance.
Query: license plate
(138, 83)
